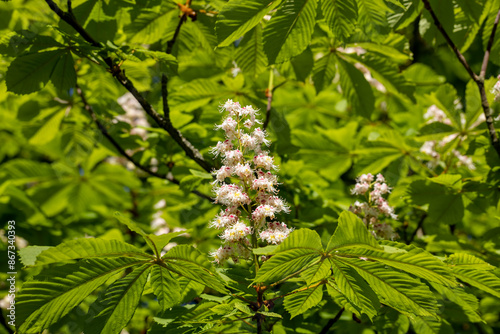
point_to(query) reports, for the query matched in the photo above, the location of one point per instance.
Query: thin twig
(269, 95)
(331, 322)
(479, 80)
(486, 57)
(419, 226)
(459, 55)
(117, 146)
(188, 148)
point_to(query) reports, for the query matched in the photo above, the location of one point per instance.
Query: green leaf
(64, 74)
(250, 56)
(372, 16)
(203, 175)
(287, 263)
(341, 16)
(89, 248)
(356, 89)
(29, 254)
(119, 302)
(151, 24)
(324, 71)
(411, 259)
(239, 16)
(49, 130)
(467, 302)
(165, 287)
(289, 31)
(317, 272)
(162, 240)
(187, 261)
(351, 231)
(300, 301)
(355, 289)
(29, 73)
(265, 250)
(385, 72)
(44, 300)
(445, 203)
(481, 279)
(467, 261)
(396, 289)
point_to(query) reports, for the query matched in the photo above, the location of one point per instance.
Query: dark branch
(459, 55)
(331, 322)
(419, 226)
(117, 146)
(479, 80)
(188, 148)
(486, 58)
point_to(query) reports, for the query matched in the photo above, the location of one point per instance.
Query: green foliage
(103, 108)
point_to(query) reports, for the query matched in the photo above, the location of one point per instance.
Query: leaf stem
(269, 95)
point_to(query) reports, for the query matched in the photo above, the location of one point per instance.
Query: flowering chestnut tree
(352, 184)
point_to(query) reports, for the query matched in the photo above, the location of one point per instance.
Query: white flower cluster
(246, 185)
(430, 148)
(375, 206)
(496, 89)
(134, 115)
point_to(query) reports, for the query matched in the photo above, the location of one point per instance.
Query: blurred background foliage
(344, 86)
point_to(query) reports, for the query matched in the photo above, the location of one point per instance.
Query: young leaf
(119, 302)
(44, 300)
(300, 301)
(289, 30)
(239, 16)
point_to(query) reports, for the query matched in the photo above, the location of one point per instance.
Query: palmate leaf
(119, 302)
(64, 287)
(289, 31)
(187, 261)
(394, 288)
(88, 248)
(29, 73)
(341, 16)
(165, 287)
(239, 16)
(300, 301)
